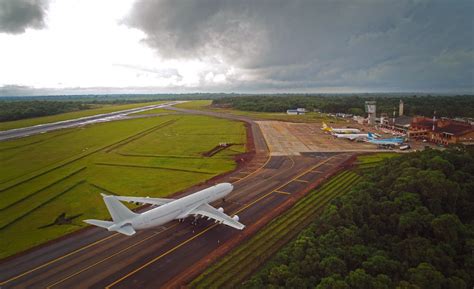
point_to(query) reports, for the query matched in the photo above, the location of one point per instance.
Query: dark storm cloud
(17, 15)
(395, 45)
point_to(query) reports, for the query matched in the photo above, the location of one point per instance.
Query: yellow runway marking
(301, 181)
(281, 192)
(257, 170)
(57, 259)
(107, 258)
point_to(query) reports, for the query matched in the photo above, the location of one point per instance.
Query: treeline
(14, 110)
(408, 225)
(120, 98)
(448, 106)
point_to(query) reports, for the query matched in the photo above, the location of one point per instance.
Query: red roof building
(442, 131)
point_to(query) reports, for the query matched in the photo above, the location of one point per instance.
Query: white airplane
(339, 130)
(127, 222)
(352, 136)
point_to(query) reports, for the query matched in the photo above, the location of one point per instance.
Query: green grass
(376, 157)
(195, 104)
(367, 162)
(98, 109)
(155, 111)
(45, 175)
(308, 117)
(245, 259)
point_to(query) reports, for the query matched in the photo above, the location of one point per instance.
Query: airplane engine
(221, 209)
(235, 218)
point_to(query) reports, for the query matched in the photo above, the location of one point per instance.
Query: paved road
(96, 258)
(42, 128)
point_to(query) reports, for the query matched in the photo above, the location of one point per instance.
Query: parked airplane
(339, 130)
(386, 141)
(352, 136)
(127, 222)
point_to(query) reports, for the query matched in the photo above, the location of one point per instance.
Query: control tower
(370, 108)
(400, 108)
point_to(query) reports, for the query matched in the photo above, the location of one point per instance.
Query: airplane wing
(145, 200)
(211, 212)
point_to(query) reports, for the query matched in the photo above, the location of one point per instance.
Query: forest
(408, 224)
(14, 110)
(447, 106)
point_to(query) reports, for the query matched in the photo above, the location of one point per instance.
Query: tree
(447, 227)
(332, 282)
(359, 279)
(426, 276)
(333, 265)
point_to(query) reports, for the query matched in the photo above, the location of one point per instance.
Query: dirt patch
(216, 149)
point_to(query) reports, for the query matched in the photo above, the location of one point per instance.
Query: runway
(42, 128)
(95, 258)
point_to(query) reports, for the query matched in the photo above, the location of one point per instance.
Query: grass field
(369, 161)
(236, 266)
(308, 117)
(98, 109)
(64, 171)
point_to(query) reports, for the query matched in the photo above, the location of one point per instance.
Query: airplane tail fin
(326, 127)
(118, 211)
(370, 135)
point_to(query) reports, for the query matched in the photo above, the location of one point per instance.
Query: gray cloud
(387, 45)
(17, 15)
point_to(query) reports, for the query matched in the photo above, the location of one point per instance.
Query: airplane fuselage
(345, 130)
(180, 208)
(351, 136)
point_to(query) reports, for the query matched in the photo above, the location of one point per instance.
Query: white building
(297, 111)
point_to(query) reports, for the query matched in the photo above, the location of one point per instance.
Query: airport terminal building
(443, 131)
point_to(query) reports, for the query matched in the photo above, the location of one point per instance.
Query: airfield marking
(257, 170)
(281, 192)
(105, 259)
(212, 226)
(57, 259)
(269, 156)
(301, 181)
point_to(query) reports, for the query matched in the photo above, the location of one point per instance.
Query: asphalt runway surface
(96, 258)
(42, 128)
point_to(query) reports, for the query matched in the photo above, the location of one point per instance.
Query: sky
(243, 46)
